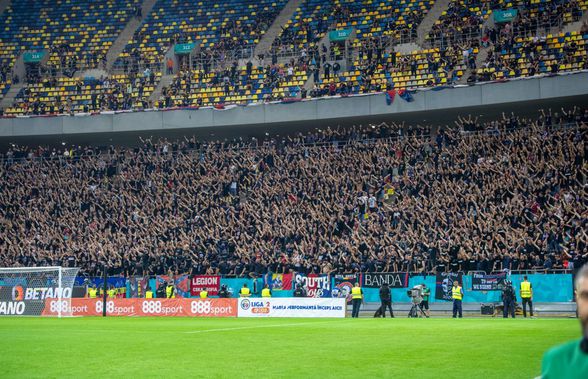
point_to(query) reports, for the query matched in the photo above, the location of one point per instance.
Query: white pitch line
(256, 327)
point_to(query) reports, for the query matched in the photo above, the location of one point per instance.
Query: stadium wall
(532, 89)
(547, 288)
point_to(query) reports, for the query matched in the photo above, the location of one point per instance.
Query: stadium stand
(77, 95)
(226, 33)
(76, 33)
(222, 30)
(241, 85)
(507, 193)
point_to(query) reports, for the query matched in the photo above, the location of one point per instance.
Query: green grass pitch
(277, 348)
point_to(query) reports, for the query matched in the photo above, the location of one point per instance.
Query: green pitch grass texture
(277, 348)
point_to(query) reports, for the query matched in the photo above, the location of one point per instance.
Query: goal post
(36, 291)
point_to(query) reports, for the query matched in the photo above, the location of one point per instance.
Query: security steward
(111, 293)
(223, 293)
(356, 299)
(457, 296)
(148, 293)
(385, 300)
(92, 292)
(204, 293)
(527, 296)
(244, 292)
(299, 291)
(266, 292)
(170, 291)
(508, 300)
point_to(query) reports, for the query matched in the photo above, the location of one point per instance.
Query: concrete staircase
(434, 13)
(264, 45)
(164, 82)
(8, 99)
(4, 4)
(125, 36)
(407, 48)
(480, 59)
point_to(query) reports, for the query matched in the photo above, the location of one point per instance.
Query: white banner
(291, 307)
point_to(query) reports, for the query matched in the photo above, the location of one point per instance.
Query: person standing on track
(508, 300)
(527, 296)
(385, 300)
(457, 295)
(245, 291)
(426, 292)
(356, 299)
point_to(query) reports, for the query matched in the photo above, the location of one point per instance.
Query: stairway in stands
(4, 4)
(127, 34)
(264, 45)
(432, 16)
(164, 82)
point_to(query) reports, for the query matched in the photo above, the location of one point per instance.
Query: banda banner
(485, 282)
(146, 307)
(443, 284)
(181, 284)
(343, 285)
(278, 282)
(392, 279)
(210, 282)
(291, 307)
(315, 285)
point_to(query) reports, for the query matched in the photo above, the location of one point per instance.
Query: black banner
(443, 284)
(393, 279)
(484, 282)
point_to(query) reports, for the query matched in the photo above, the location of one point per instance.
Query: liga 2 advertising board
(291, 307)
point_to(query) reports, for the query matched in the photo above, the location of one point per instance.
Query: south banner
(392, 279)
(343, 285)
(485, 282)
(145, 307)
(291, 307)
(443, 284)
(278, 282)
(314, 285)
(200, 282)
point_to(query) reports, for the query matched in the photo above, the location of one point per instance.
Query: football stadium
(293, 189)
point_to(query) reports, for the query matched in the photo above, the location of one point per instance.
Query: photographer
(385, 300)
(508, 299)
(425, 292)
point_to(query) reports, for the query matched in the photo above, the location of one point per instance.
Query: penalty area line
(256, 327)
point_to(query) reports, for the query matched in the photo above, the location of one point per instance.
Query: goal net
(36, 291)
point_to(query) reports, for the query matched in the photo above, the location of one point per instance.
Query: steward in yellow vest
(244, 292)
(266, 292)
(92, 292)
(356, 299)
(527, 296)
(204, 293)
(169, 292)
(148, 294)
(457, 296)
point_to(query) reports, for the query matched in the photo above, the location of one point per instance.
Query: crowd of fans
(505, 194)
